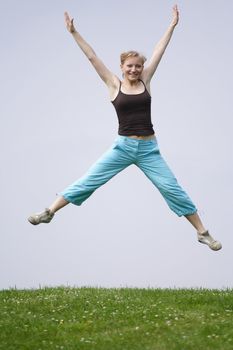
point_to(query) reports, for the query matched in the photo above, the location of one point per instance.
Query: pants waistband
(133, 140)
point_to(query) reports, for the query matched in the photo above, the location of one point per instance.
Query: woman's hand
(175, 16)
(69, 23)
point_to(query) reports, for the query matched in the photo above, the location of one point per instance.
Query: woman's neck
(131, 84)
(132, 87)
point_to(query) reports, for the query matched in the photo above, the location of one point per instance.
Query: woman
(136, 142)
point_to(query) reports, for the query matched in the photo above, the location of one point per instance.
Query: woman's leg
(156, 169)
(111, 163)
(195, 220)
(59, 203)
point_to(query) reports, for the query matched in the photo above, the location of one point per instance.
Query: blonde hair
(129, 54)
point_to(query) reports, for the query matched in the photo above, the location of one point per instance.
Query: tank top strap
(143, 83)
(119, 86)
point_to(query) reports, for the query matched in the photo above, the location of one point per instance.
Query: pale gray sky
(57, 120)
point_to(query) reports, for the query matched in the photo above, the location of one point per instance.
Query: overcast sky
(56, 120)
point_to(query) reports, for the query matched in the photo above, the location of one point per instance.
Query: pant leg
(156, 169)
(111, 163)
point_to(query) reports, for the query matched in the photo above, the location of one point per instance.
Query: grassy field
(116, 319)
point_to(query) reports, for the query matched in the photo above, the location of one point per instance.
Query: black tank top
(134, 113)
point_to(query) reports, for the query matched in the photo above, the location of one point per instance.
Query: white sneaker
(206, 238)
(43, 217)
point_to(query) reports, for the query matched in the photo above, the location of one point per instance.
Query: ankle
(202, 232)
(52, 211)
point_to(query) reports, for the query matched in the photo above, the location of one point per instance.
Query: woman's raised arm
(105, 74)
(160, 48)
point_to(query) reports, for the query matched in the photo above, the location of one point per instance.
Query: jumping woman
(136, 141)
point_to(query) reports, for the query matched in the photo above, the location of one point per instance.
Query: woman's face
(132, 68)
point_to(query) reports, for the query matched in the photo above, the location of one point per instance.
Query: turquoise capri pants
(126, 151)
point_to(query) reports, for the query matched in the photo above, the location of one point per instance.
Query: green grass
(116, 319)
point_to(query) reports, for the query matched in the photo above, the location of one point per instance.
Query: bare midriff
(150, 137)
